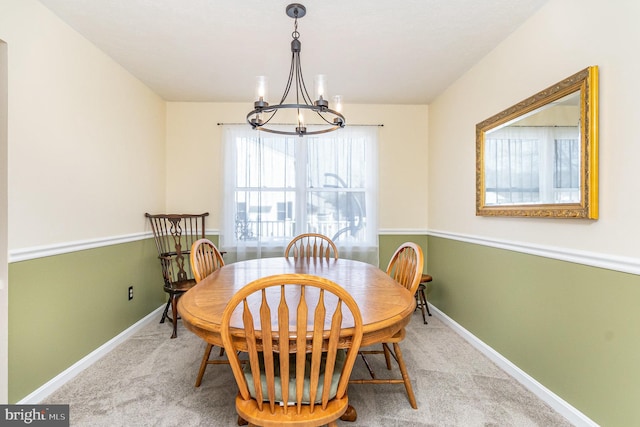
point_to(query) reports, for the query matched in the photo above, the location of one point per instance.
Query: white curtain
(276, 187)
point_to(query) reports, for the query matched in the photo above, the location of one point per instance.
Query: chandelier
(263, 113)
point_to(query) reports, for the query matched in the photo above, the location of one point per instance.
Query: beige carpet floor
(149, 381)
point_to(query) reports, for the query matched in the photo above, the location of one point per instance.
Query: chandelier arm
(319, 113)
(303, 87)
(297, 61)
(270, 117)
(289, 80)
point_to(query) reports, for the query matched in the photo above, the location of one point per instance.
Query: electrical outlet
(130, 293)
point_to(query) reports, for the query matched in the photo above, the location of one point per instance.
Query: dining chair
(311, 245)
(174, 234)
(405, 268)
(205, 258)
(302, 334)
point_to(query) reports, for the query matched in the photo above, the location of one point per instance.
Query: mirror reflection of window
(536, 158)
(532, 165)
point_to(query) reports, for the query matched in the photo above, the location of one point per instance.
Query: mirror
(539, 158)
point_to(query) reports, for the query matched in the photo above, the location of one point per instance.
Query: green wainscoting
(63, 307)
(573, 328)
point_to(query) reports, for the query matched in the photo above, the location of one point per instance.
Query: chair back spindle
(205, 258)
(311, 245)
(406, 266)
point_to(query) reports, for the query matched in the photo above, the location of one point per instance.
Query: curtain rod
(291, 124)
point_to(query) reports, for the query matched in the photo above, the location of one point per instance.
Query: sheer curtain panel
(277, 186)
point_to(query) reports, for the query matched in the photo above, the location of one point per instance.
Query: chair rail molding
(25, 254)
(606, 261)
(407, 231)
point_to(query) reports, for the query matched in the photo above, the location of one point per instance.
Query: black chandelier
(263, 113)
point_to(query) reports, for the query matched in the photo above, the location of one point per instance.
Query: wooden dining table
(385, 306)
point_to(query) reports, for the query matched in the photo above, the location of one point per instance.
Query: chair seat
(180, 286)
(335, 408)
(397, 337)
(425, 278)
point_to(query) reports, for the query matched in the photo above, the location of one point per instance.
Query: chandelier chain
(295, 34)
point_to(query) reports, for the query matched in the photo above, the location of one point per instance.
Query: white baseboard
(558, 404)
(59, 380)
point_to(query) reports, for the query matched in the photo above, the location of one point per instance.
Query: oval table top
(385, 305)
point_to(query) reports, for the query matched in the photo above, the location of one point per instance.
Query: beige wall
(86, 139)
(564, 37)
(4, 295)
(86, 148)
(194, 162)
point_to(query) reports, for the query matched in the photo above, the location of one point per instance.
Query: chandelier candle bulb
(337, 102)
(261, 90)
(321, 90)
(301, 129)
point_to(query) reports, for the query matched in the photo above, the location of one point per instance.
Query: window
(277, 187)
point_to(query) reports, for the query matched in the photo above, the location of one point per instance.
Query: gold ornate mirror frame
(536, 113)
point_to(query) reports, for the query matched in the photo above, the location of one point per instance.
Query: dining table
(384, 304)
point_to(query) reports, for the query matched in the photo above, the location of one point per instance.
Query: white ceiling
(372, 51)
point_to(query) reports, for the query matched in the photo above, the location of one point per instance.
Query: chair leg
(405, 376)
(166, 310)
(424, 295)
(174, 312)
(366, 362)
(203, 364)
(423, 305)
(387, 355)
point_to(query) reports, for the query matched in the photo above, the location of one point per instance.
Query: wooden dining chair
(205, 258)
(311, 245)
(174, 235)
(302, 334)
(405, 268)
